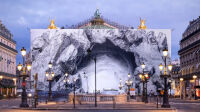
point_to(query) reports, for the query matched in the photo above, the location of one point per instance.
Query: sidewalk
(100, 106)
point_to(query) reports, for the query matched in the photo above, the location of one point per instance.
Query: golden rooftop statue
(52, 25)
(142, 24)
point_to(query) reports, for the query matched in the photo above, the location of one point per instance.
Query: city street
(179, 105)
(99, 56)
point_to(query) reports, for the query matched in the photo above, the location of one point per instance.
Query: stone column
(181, 90)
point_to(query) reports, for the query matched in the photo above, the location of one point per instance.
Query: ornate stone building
(175, 82)
(190, 58)
(8, 54)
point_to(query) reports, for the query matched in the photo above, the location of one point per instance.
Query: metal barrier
(56, 96)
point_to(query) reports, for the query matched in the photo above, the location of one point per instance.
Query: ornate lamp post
(50, 76)
(129, 84)
(142, 77)
(25, 68)
(195, 77)
(95, 77)
(73, 85)
(146, 80)
(165, 76)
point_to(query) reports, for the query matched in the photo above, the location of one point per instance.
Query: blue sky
(21, 15)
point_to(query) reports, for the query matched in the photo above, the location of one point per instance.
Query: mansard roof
(193, 27)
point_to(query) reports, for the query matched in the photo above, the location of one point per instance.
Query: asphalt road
(180, 105)
(7, 110)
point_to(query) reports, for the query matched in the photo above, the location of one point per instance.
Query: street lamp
(50, 75)
(24, 68)
(146, 80)
(165, 76)
(129, 84)
(95, 77)
(143, 79)
(195, 77)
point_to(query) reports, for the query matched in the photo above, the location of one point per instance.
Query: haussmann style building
(8, 54)
(190, 60)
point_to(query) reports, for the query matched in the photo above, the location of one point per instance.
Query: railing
(106, 98)
(56, 96)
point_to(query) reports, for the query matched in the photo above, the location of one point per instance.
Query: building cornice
(189, 47)
(190, 35)
(8, 47)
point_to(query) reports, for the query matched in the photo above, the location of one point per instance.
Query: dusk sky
(19, 16)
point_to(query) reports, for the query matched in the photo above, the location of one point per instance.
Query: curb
(94, 108)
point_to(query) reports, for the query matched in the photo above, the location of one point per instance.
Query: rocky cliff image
(117, 52)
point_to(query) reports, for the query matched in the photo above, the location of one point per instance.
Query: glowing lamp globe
(140, 75)
(28, 67)
(23, 51)
(165, 52)
(170, 67)
(161, 67)
(50, 64)
(66, 74)
(194, 76)
(19, 67)
(47, 74)
(143, 65)
(181, 79)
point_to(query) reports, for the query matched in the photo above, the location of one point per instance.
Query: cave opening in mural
(118, 52)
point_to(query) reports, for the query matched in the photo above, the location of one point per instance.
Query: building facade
(8, 54)
(175, 82)
(190, 59)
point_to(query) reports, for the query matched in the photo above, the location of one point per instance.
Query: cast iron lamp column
(146, 80)
(50, 76)
(143, 82)
(165, 76)
(129, 83)
(195, 77)
(24, 68)
(95, 78)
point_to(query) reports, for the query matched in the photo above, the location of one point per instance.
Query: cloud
(22, 21)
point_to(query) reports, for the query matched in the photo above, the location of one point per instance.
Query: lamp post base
(165, 106)
(146, 101)
(24, 105)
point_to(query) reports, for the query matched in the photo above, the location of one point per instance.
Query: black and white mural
(117, 52)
